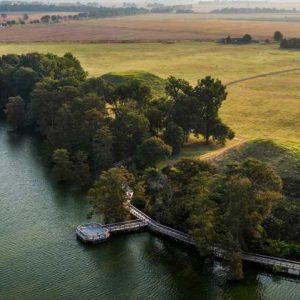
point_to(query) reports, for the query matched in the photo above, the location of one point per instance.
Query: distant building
(236, 41)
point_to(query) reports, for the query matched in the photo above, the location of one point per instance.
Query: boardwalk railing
(155, 226)
(125, 226)
(271, 261)
(292, 267)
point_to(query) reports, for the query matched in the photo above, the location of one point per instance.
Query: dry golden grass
(205, 26)
(149, 27)
(266, 107)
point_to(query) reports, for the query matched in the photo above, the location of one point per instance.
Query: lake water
(40, 257)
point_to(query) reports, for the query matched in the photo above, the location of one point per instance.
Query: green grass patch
(156, 83)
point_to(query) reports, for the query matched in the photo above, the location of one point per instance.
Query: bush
(151, 151)
(174, 136)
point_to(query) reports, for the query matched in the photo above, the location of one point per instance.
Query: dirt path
(211, 156)
(263, 75)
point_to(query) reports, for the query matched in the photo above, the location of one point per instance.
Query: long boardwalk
(289, 266)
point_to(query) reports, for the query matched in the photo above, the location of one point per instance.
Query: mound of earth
(156, 83)
(283, 156)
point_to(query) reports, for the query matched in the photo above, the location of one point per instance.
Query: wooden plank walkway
(164, 230)
(292, 267)
(125, 226)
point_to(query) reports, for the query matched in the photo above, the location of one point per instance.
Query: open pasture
(266, 107)
(153, 27)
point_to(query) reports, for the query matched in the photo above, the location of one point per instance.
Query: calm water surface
(40, 257)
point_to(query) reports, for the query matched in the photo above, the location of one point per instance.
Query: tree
(228, 40)
(157, 112)
(176, 87)
(15, 112)
(24, 79)
(174, 136)
(151, 151)
(130, 130)
(45, 19)
(278, 36)
(221, 132)
(25, 17)
(81, 171)
(210, 94)
(109, 193)
(63, 165)
(134, 91)
(44, 104)
(247, 197)
(247, 38)
(202, 211)
(186, 113)
(102, 152)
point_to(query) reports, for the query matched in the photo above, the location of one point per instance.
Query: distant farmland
(152, 27)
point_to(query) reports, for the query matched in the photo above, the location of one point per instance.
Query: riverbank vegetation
(236, 209)
(117, 132)
(88, 124)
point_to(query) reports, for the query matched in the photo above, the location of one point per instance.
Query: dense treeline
(161, 8)
(103, 11)
(248, 10)
(232, 210)
(88, 124)
(290, 43)
(84, 11)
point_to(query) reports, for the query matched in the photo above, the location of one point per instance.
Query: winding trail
(262, 75)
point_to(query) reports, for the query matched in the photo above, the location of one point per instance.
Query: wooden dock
(97, 233)
(143, 221)
(284, 265)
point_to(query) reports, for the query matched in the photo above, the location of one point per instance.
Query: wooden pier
(126, 226)
(143, 221)
(284, 265)
(97, 233)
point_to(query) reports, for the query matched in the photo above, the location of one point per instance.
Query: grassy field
(207, 26)
(262, 108)
(156, 27)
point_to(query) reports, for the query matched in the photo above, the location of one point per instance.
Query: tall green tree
(15, 112)
(210, 94)
(81, 174)
(63, 165)
(278, 36)
(109, 193)
(130, 130)
(102, 152)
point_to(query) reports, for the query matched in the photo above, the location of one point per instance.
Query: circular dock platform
(92, 233)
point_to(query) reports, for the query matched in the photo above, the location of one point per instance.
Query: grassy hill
(156, 83)
(283, 156)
